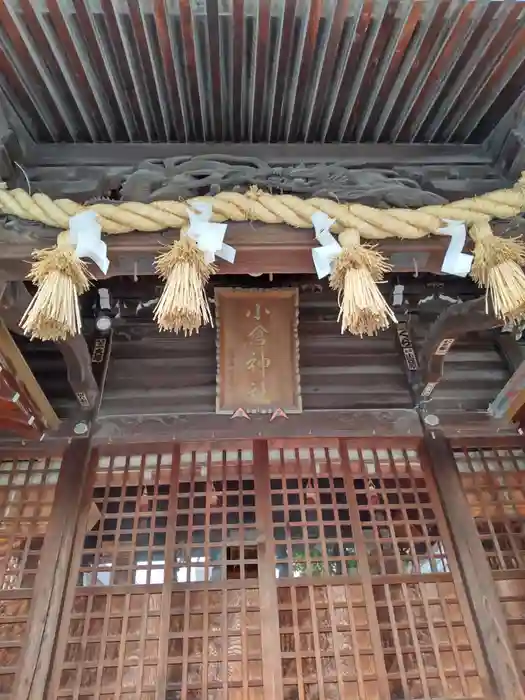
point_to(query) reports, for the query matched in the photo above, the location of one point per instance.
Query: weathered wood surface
(472, 424)
(184, 177)
(75, 351)
(54, 441)
(46, 606)
(358, 155)
(6, 135)
(507, 141)
(257, 350)
(400, 183)
(453, 323)
(261, 248)
(32, 405)
(72, 495)
(475, 570)
(165, 428)
(510, 401)
(178, 373)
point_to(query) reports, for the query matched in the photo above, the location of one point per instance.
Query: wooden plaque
(257, 350)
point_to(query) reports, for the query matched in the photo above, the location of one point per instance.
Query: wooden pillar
(46, 606)
(73, 493)
(475, 570)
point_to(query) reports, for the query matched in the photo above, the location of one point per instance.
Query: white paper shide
(209, 236)
(329, 249)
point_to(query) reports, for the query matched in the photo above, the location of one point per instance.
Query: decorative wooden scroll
(257, 351)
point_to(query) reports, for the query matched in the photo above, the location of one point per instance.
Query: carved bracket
(75, 351)
(450, 325)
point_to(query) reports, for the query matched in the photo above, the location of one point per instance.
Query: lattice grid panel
(27, 492)
(311, 520)
(168, 591)
(13, 629)
(396, 513)
(494, 484)
(325, 503)
(512, 596)
(214, 647)
(215, 527)
(128, 524)
(426, 648)
(113, 647)
(326, 645)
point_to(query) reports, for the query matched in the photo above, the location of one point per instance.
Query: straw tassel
(363, 310)
(183, 305)
(497, 266)
(60, 276)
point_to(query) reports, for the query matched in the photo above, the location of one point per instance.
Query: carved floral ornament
(355, 267)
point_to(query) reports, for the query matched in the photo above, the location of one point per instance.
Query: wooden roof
(238, 70)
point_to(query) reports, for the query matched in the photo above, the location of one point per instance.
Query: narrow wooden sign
(257, 350)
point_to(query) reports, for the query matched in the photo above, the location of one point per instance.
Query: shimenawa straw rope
(497, 262)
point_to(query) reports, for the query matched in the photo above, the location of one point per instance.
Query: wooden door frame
(475, 572)
(52, 594)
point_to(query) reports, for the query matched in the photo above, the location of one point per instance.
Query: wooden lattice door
(370, 603)
(493, 479)
(287, 570)
(168, 599)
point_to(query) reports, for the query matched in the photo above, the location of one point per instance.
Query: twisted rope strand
(255, 205)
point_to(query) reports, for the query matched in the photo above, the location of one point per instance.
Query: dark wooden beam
(75, 351)
(355, 155)
(463, 425)
(261, 248)
(450, 325)
(475, 570)
(7, 139)
(506, 144)
(47, 602)
(165, 428)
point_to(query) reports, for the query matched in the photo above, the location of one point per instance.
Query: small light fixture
(103, 323)
(81, 428)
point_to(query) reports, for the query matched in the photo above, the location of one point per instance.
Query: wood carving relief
(456, 321)
(257, 351)
(184, 176)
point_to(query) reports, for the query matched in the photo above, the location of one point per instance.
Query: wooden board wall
(152, 372)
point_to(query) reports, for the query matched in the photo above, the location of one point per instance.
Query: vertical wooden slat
(168, 573)
(272, 673)
(47, 603)
(475, 571)
(366, 577)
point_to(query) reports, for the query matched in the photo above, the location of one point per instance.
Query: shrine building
(262, 374)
